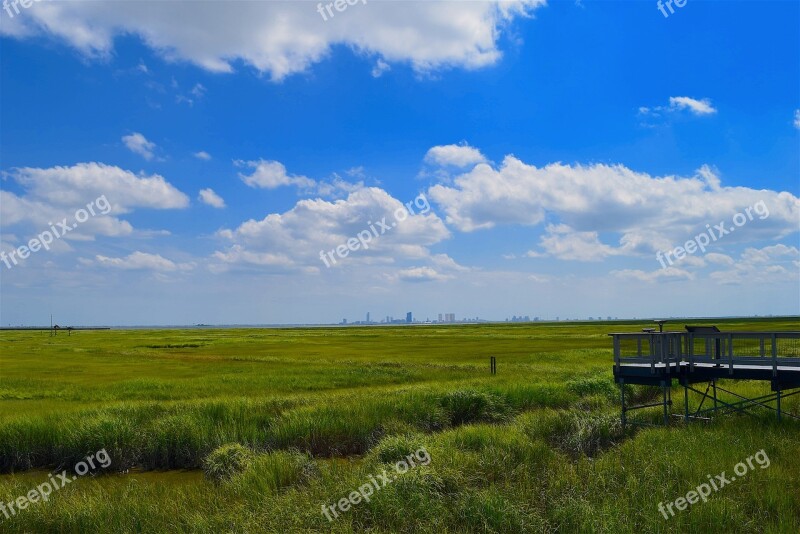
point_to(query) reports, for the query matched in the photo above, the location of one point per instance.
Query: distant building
(449, 317)
(367, 317)
(408, 318)
(440, 317)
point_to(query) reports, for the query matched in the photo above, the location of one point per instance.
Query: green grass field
(536, 448)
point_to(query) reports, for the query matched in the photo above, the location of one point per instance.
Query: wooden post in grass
(493, 365)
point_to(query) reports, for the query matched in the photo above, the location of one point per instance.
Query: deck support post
(714, 385)
(622, 395)
(685, 404)
(778, 397)
(666, 414)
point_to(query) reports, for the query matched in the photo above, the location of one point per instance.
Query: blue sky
(559, 147)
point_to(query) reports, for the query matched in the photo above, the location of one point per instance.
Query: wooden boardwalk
(704, 355)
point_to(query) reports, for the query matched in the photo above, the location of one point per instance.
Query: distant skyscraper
(440, 317)
(367, 317)
(408, 318)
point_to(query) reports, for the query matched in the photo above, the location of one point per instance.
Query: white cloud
(670, 273)
(271, 175)
(143, 261)
(697, 107)
(34, 216)
(75, 186)
(282, 38)
(380, 68)
(693, 261)
(769, 254)
(421, 274)
(446, 263)
(195, 94)
(55, 193)
(138, 144)
(719, 259)
(770, 264)
(237, 254)
(294, 239)
(454, 155)
(564, 243)
(797, 119)
(647, 213)
(203, 155)
(678, 104)
(209, 197)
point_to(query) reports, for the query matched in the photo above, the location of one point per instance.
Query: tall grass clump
(470, 406)
(588, 386)
(395, 448)
(226, 461)
(271, 472)
(576, 433)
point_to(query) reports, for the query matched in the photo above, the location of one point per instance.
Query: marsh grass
(226, 461)
(536, 448)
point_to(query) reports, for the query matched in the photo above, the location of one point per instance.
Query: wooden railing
(664, 349)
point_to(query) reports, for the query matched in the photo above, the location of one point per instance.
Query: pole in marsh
(493, 365)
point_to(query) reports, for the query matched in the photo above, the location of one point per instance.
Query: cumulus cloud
(203, 155)
(73, 186)
(770, 264)
(266, 174)
(210, 198)
(454, 155)
(238, 254)
(33, 216)
(271, 175)
(57, 192)
(281, 38)
(644, 213)
(697, 107)
(564, 243)
(295, 239)
(719, 259)
(797, 119)
(143, 261)
(138, 144)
